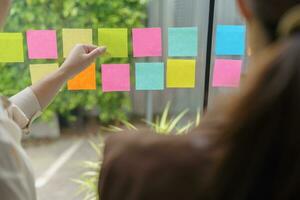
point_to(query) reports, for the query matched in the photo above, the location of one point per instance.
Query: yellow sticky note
(71, 37)
(11, 47)
(181, 73)
(40, 71)
(116, 41)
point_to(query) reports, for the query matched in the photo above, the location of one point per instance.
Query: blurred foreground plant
(163, 125)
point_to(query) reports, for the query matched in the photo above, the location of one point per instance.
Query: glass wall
(226, 13)
(186, 13)
(177, 13)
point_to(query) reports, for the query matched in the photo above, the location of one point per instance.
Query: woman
(246, 148)
(17, 113)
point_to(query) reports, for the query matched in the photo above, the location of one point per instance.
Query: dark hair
(251, 141)
(258, 130)
(270, 12)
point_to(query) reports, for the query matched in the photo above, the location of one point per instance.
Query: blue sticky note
(183, 42)
(149, 76)
(230, 40)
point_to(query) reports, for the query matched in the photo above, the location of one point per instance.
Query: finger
(89, 48)
(96, 52)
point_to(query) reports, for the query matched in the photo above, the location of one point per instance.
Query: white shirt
(16, 174)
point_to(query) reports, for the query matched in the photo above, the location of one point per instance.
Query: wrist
(62, 73)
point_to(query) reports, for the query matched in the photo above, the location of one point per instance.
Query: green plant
(30, 14)
(89, 179)
(163, 125)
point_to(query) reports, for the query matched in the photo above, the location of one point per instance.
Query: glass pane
(226, 13)
(178, 13)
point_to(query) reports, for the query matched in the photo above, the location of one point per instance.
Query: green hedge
(58, 14)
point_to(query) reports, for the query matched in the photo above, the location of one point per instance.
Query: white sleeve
(16, 177)
(24, 109)
(27, 102)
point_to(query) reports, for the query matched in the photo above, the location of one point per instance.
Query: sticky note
(227, 73)
(11, 47)
(181, 73)
(147, 42)
(115, 77)
(183, 42)
(40, 71)
(116, 41)
(86, 80)
(71, 37)
(42, 44)
(149, 76)
(230, 40)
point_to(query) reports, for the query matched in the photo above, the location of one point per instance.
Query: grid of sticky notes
(179, 71)
(230, 41)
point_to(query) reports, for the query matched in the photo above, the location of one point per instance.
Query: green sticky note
(116, 41)
(11, 47)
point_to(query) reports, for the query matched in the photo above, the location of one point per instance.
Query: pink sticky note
(42, 44)
(147, 42)
(227, 73)
(115, 77)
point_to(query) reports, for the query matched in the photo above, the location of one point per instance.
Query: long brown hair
(270, 12)
(260, 126)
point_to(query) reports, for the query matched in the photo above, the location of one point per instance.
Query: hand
(80, 58)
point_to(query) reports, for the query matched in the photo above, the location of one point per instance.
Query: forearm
(40, 95)
(28, 104)
(46, 89)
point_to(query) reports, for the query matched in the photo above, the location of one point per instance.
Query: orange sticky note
(86, 80)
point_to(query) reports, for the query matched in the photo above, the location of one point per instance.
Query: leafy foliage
(89, 179)
(58, 14)
(165, 126)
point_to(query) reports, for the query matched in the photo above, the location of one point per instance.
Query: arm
(37, 97)
(80, 58)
